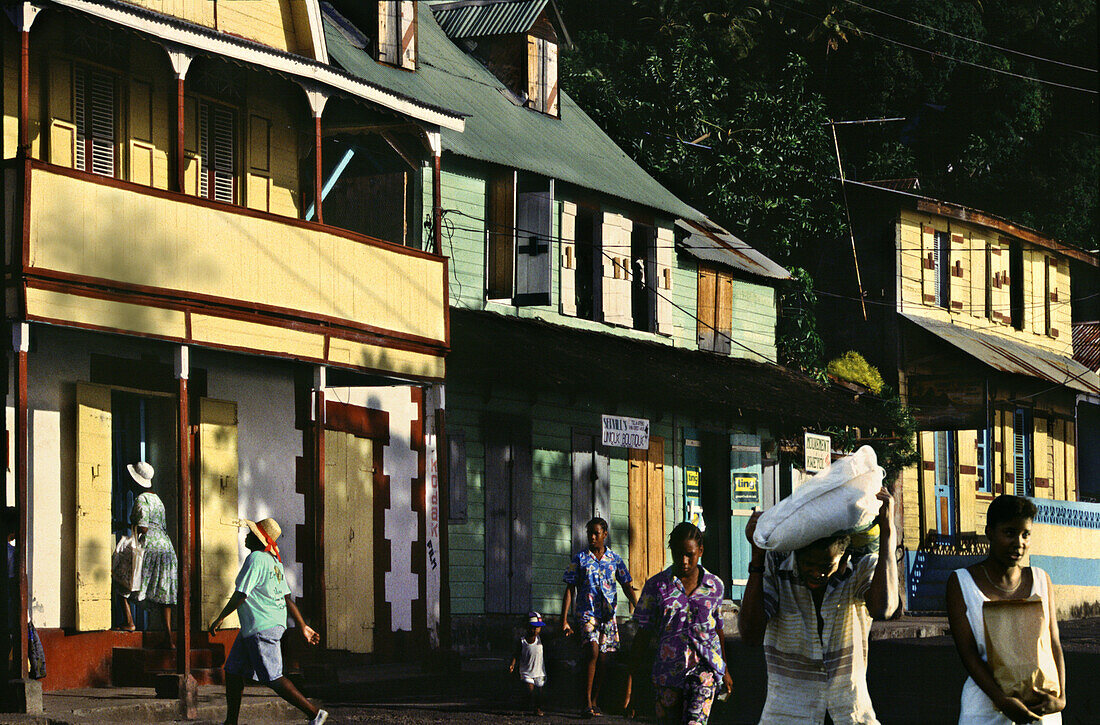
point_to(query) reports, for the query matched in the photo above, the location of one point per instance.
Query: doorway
(715, 495)
(946, 482)
(143, 428)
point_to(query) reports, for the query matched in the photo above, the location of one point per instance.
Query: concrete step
(139, 666)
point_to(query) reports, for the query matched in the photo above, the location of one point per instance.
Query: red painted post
(317, 174)
(20, 643)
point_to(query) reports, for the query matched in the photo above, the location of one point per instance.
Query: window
(94, 118)
(218, 151)
(1016, 284)
(589, 287)
(518, 238)
(985, 460)
(397, 30)
(942, 269)
(1021, 452)
(715, 310)
(643, 293)
(542, 75)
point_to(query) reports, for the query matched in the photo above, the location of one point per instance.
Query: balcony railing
(107, 254)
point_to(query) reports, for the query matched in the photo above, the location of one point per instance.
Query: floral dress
(159, 567)
(688, 668)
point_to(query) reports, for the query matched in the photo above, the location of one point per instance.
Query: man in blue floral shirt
(590, 582)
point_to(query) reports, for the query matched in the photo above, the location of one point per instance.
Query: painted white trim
(180, 60)
(21, 337)
(317, 30)
(300, 68)
(23, 15)
(183, 362)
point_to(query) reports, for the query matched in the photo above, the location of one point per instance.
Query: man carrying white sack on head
(810, 602)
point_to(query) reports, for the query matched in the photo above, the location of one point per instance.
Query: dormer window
(397, 29)
(542, 75)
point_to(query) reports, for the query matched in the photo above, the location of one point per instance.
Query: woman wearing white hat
(159, 568)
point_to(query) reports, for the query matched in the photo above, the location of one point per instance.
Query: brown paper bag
(1017, 646)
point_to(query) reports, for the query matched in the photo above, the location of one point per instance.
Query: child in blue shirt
(590, 582)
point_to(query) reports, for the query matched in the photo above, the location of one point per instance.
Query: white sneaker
(319, 718)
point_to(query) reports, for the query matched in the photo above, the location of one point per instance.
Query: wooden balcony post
(187, 688)
(319, 384)
(181, 62)
(317, 100)
(21, 346)
(23, 16)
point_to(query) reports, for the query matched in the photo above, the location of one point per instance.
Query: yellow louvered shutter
(387, 32)
(959, 276)
(534, 74)
(62, 150)
(141, 147)
(94, 540)
(724, 313)
(219, 557)
(349, 542)
(666, 324)
(567, 268)
(928, 264)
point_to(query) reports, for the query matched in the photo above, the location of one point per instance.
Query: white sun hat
(142, 473)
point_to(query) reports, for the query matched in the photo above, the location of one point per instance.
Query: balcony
(109, 255)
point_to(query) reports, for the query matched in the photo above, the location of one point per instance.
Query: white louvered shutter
(217, 146)
(94, 116)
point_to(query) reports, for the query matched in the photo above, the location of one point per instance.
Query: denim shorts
(258, 657)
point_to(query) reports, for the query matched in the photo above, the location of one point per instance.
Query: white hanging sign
(819, 452)
(622, 432)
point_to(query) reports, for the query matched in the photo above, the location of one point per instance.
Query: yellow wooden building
(969, 316)
(217, 264)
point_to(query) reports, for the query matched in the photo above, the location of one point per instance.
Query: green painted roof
(571, 149)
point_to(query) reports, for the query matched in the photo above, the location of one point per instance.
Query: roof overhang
(928, 205)
(712, 243)
(1012, 357)
(208, 41)
(570, 363)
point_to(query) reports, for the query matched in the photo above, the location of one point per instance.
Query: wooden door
(94, 540)
(349, 542)
(591, 486)
(647, 511)
(508, 476)
(946, 486)
(219, 554)
(745, 487)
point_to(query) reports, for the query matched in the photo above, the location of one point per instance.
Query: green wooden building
(584, 297)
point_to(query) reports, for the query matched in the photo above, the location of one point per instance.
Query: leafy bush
(852, 367)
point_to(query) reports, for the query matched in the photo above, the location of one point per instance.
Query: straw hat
(142, 473)
(268, 532)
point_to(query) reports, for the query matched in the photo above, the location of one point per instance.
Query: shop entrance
(142, 429)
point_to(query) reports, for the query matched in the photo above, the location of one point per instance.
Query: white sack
(840, 498)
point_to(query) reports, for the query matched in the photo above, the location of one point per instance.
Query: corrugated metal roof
(1086, 344)
(477, 18)
(1012, 357)
(711, 243)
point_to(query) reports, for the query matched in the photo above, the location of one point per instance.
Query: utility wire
(938, 54)
(593, 245)
(971, 40)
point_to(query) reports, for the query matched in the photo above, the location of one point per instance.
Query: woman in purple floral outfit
(682, 607)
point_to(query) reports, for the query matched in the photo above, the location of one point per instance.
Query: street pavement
(913, 681)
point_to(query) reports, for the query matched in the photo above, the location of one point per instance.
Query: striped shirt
(810, 674)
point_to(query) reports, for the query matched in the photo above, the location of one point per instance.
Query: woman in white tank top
(1000, 577)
